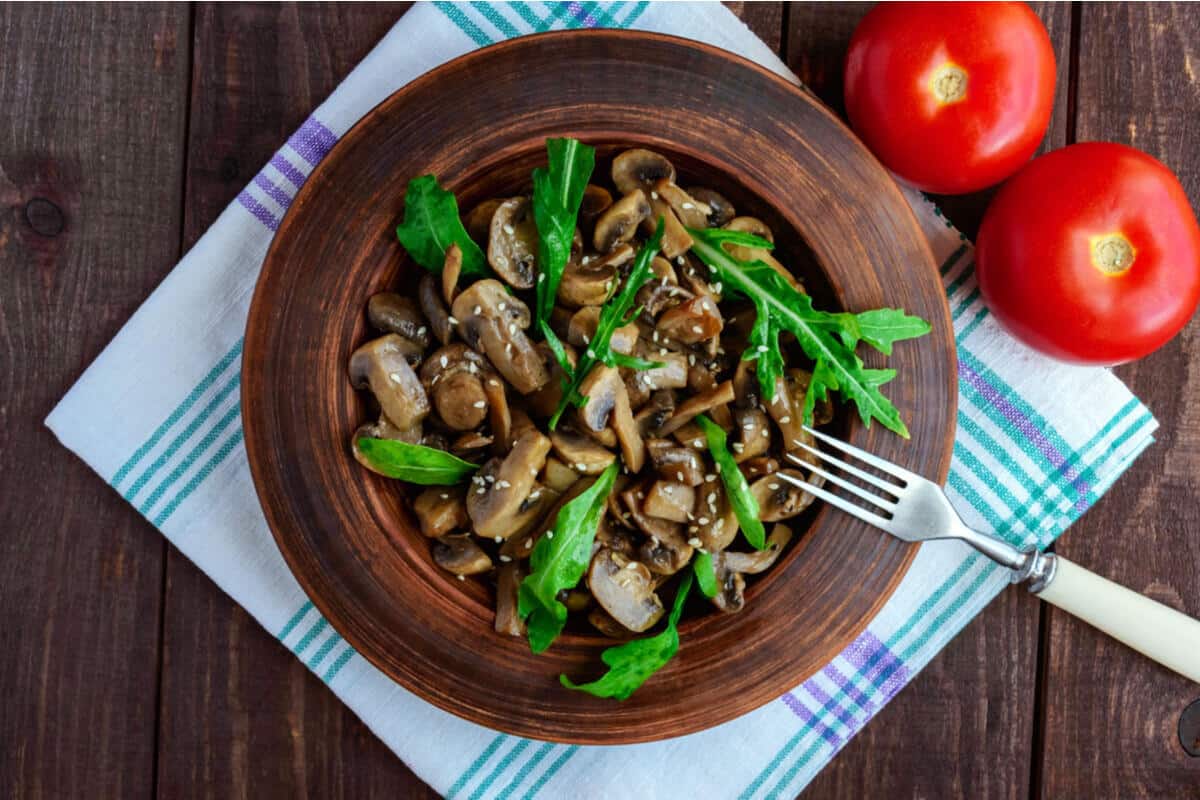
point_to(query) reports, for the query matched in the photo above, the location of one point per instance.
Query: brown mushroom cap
(669, 500)
(500, 488)
(690, 211)
(381, 366)
(675, 463)
(461, 555)
(625, 589)
(687, 411)
(730, 567)
(620, 222)
(582, 328)
(753, 431)
(451, 269)
(508, 584)
(479, 222)
(492, 322)
(429, 293)
(692, 321)
(720, 210)
(454, 375)
(639, 168)
(581, 453)
(440, 509)
(720, 526)
(608, 404)
(779, 499)
(587, 283)
(393, 313)
(512, 242)
(596, 200)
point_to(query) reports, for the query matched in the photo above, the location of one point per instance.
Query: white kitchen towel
(157, 416)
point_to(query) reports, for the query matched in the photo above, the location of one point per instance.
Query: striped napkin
(157, 416)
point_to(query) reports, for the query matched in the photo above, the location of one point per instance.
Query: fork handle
(1161, 633)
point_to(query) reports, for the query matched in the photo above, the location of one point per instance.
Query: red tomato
(1091, 254)
(951, 97)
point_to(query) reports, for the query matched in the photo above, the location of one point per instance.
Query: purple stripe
(849, 687)
(258, 210)
(1030, 431)
(312, 141)
(800, 710)
(287, 170)
(583, 16)
(821, 696)
(868, 649)
(272, 191)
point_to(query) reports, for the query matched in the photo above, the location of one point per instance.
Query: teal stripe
(499, 769)
(466, 777)
(496, 18)
(465, 25)
(313, 632)
(1012, 467)
(189, 401)
(526, 13)
(962, 278)
(965, 304)
(177, 442)
(635, 13)
(956, 482)
(525, 769)
(326, 646)
(199, 478)
(295, 620)
(558, 11)
(337, 665)
(551, 771)
(952, 260)
(206, 442)
(970, 327)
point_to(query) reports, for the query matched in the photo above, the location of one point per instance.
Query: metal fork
(915, 509)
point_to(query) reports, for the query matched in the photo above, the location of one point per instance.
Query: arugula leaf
(827, 338)
(431, 224)
(559, 560)
(616, 313)
(630, 664)
(632, 362)
(415, 463)
(745, 506)
(557, 193)
(706, 575)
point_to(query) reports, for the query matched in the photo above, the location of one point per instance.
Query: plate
(479, 122)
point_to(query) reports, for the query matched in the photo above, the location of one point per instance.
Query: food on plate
(593, 388)
(1091, 254)
(951, 97)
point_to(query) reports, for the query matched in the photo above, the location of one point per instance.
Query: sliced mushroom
(545, 400)
(512, 242)
(381, 366)
(620, 222)
(479, 222)
(753, 434)
(692, 321)
(518, 547)
(661, 292)
(430, 297)
(499, 414)
(625, 589)
(596, 200)
(720, 526)
(602, 621)
(533, 510)
(583, 326)
(669, 500)
(672, 374)
(720, 210)
(690, 211)
(675, 463)
(441, 509)
(721, 394)
(454, 375)
(760, 560)
(501, 487)
(492, 322)
(655, 412)
(508, 585)
(640, 169)
(558, 476)
(585, 283)
(665, 551)
(753, 226)
(608, 404)
(758, 228)
(786, 407)
(451, 269)
(758, 466)
(675, 241)
(392, 313)
(580, 452)
(615, 537)
(690, 435)
(461, 555)
(779, 499)
(731, 588)
(470, 444)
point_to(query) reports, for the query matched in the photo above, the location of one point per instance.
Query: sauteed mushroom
(461, 555)
(501, 486)
(625, 589)
(512, 242)
(493, 322)
(381, 366)
(620, 222)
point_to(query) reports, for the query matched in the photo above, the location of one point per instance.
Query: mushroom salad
(595, 387)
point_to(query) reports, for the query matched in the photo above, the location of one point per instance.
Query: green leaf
(745, 507)
(617, 312)
(557, 194)
(826, 338)
(431, 224)
(632, 362)
(559, 560)
(706, 575)
(415, 463)
(630, 664)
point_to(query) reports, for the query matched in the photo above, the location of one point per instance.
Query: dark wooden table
(124, 130)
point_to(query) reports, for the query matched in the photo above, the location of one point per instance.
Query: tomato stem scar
(949, 83)
(1112, 253)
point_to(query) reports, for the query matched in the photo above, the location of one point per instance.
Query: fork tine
(887, 486)
(870, 497)
(862, 455)
(866, 515)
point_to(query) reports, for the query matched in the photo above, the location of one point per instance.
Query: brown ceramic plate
(479, 123)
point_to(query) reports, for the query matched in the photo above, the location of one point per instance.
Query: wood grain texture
(348, 537)
(90, 157)
(241, 716)
(964, 726)
(1112, 715)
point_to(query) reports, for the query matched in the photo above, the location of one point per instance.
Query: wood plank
(94, 100)
(1111, 725)
(241, 717)
(964, 726)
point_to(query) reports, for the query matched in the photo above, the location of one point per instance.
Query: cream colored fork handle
(1161, 633)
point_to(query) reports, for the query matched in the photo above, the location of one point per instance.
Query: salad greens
(630, 664)
(415, 463)
(616, 313)
(745, 507)
(559, 560)
(706, 575)
(557, 193)
(828, 339)
(431, 224)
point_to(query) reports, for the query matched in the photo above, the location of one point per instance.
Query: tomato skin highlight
(962, 143)
(1040, 276)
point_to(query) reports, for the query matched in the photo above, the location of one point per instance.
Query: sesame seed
(738, 447)
(663, 282)
(510, 230)
(490, 478)
(654, 336)
(667, 490)
(693, 528)
(766, 434)
(591, 353)
(533, 472)
(541, 277)
(709, 478)
(662, 351)
(690, 517)
(585, 338)
(422, 330)
(501, 305)
(502, 484)
(585, 260)
(694, 542)
(549, 534)
(703, 520)
(505, 558)
(444, 361)
(687, 206)
(498, 539)
(712, 497)
(478, 310)
(717, 288)
(445, 496)
(435, 379)
(493, 382)
(452, 320)
(395, 376)
(632, 565)
(697, 443)
(785, 419)
(528, 543)
(508, 348)
(697, 329)
(680, 260)
(692, 359)
(748, 426)
(581, 467)
(481, 490)
(535, 495)
(460, 577)
(653, 195)
(717, 467)
(773, 486)
(679, 477)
